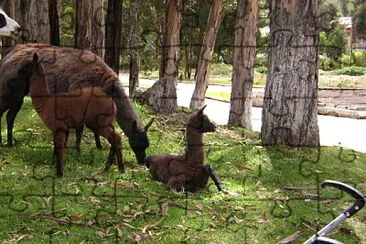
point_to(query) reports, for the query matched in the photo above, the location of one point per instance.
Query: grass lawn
(220, 74)
(90, 206)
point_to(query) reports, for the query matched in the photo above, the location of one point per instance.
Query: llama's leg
(97, 141)
(116, 149)
(178, 183)
(59, 140)
(10, 117)
(210, 171)
(117, 139)
(78, 135)
(110, 159)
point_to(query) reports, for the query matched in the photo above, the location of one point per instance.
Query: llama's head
(139, 141)
(201, 122)
(8, 26)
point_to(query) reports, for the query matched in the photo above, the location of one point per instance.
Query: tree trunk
(113, 34)
(163, 94)
(98, 28)
(290, 99)
(188, 57)
(54, 22)
(89, 32)
(9, 8)
(204, 62)
(243, 63)
(134, 49)
(83, 24)
(35, 21)
(164, 45)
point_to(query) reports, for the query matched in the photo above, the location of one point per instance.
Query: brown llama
(69, 70)
(187, 172)
(70, 110)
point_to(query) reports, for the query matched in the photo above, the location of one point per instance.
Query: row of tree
(289, 111)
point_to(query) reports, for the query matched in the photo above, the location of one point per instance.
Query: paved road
(334, 131)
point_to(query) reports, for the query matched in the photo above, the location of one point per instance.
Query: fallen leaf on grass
(98, 172)
(129, 220)
(291, 238)
(346, 230)
(74, 217)
(152, 226)
(263, 219)
(199, 206)
(184, 228)
(101, 234)
(130, 186)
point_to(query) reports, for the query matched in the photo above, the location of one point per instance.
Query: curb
(322, 110)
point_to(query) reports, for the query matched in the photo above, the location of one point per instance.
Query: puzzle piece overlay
(112, 200)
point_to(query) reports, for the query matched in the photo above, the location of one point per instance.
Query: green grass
(219, 95)
(81, 207)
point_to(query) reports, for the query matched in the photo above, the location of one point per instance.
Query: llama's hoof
(60, 174)
(10, 144)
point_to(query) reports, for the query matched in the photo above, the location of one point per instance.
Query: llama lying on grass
(69, 70)
(187, 172)
(71, 110)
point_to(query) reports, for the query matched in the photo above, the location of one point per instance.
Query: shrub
(262, 70)
(328, 64)
(359, 58)
(352, 70)
(345, 60)
(336, 42)
(221, 69)
(261, 61)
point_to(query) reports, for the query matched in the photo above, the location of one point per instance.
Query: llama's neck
(126, 114)
(38, 87)
(195, 154)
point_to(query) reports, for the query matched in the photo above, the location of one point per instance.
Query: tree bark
(243, 63)
(83, 25)
(9, 8)
(113, 34)
(163, 94)
(204, 62)
(134, 49)
(89, 32)
(35, 21)
(98, 28)
(164, 45)
(54, 22)
(290, 99)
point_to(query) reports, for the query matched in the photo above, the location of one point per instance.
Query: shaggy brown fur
(70, 110)
(186, 172)
(69, 70)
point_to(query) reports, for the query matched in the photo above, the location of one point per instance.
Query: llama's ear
(147, 126)
(134, 125)
(201, 110)
(35, 58)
